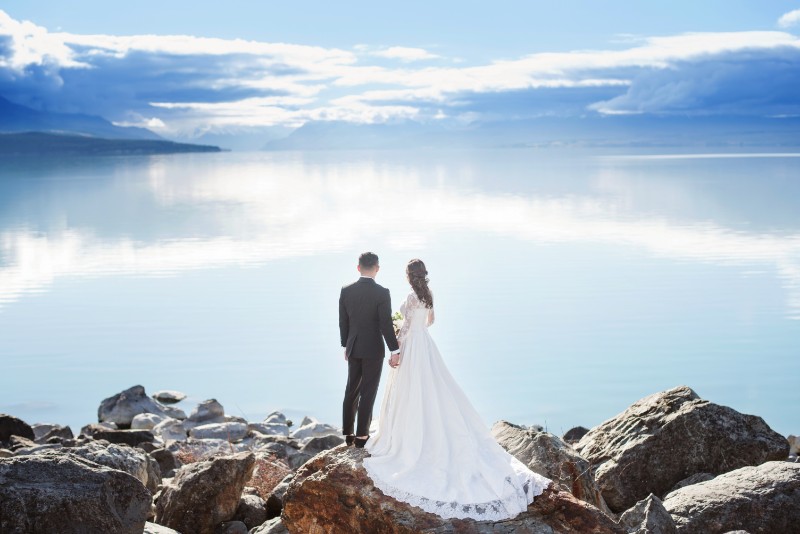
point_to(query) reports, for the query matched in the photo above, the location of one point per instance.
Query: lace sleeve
(431, 316)
(407, 309)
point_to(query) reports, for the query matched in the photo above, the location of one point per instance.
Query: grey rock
(232, 527)
(273, 526)
(274, 502)
(175, 413)
(763, 498)
(308, 420)
(155, 528)
(125, 437)
(688, 481)
(147, 421)
(90, 429)
(315, 430)
(53, 492)
(574, 435)
(648, 516)
(13, 426)
(127, 459)
(204, 494)
(228, 431)
(170, 429)
(794, 445)
(269, 429)
(123, 407)
(276, 418)
(549, 456)
(5, 453)
(634, 453)
(36, 449)
(45, 431)
(316, 445)
(235, 419)
(252, 511)
(201, 448)
(18, 442)
(167, 461)
(169, 396)
(208, 411)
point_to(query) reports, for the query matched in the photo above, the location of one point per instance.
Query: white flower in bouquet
(397, 321)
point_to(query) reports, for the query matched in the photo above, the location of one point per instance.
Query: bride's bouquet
(397, 321)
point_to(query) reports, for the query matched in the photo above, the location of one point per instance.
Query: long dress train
(432, 449)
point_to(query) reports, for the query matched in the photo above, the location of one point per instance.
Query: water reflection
(166, 215)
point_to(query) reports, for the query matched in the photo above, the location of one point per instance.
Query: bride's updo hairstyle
(418, 278)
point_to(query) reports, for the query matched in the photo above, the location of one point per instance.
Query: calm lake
(568, 283)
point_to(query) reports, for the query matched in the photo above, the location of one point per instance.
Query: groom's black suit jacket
(365, 317)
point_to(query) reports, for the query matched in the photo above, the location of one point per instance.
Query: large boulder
(204, 494)
(132, 461)
(763, 498)
(54, 492)
(13, 426)
(123, 407)
(334, 494)
(549, 456)
(669, 436)
(648, 516)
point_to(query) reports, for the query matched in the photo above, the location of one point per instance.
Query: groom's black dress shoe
(349, 440)
(360, 442)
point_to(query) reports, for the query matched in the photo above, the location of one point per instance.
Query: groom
(365, 315)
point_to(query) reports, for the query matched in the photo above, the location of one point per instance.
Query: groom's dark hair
(368, 260)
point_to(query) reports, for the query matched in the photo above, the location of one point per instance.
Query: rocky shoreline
(672, 462)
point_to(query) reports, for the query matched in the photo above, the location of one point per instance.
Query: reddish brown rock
(332, 494)
(204, 494)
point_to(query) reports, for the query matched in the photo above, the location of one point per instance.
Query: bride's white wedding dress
(432, 449)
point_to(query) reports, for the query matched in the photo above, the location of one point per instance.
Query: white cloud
(787, 20)
(193, 84)
(405, 54)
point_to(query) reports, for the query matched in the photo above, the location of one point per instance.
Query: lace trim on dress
(496, 510)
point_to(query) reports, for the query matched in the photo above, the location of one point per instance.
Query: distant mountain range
(45, 143)
(89, 134)
(589, 131)
(26, 131)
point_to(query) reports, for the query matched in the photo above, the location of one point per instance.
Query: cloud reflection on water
(264, 208)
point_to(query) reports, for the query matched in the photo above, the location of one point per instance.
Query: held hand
(394, 361)
(345, 354)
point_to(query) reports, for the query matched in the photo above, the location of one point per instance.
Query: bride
(431, 448)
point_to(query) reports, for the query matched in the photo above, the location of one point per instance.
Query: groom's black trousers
(363, 377)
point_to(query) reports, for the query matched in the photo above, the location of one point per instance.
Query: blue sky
(188, 68)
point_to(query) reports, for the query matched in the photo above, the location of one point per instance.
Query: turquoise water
(568, 283)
